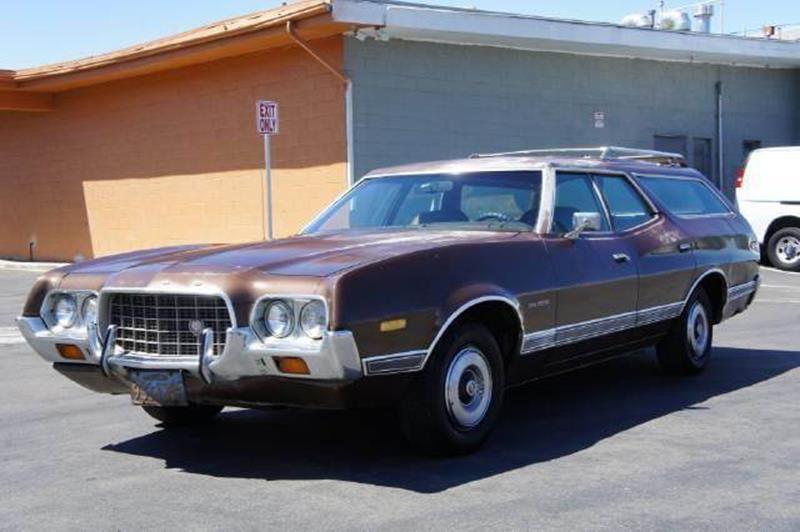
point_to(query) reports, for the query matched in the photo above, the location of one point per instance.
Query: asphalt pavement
(609, 447)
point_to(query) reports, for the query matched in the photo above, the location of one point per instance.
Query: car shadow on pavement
(543, 421)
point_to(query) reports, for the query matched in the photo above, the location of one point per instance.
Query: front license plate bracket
(158, 388)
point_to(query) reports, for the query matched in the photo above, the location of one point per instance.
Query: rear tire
(453, 405)
(686, 349)
(175, 416)
(783, 249)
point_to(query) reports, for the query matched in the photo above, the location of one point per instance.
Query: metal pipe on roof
(313, 53)
(720, 139)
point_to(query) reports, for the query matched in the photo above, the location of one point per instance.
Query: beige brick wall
(172, 158)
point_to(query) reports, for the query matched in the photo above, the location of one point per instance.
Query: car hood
(307, 255)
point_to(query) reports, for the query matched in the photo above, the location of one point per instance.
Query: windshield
(481, 200)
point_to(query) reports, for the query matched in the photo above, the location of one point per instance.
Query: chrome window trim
(547, 200)
(532, 167)
(588, 173)
(654, 212)
(702, 181)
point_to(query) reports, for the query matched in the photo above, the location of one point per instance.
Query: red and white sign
(267, 117)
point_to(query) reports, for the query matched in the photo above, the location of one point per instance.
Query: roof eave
(239, 36)
(460, 26)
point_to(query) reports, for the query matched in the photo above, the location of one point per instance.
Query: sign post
(267, 125)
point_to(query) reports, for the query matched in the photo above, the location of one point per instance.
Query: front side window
(685, 197)
(574, 193)
(478, 200)
(625, 205)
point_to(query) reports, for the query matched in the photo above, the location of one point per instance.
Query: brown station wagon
(430, 287)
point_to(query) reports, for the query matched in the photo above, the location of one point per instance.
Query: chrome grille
(159, 324)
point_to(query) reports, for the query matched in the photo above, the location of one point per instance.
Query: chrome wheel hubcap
(468, 387)
(788, 249)
(697, 330)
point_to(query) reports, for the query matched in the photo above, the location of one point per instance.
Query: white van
(768, 194)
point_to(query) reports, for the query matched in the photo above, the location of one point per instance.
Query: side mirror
(584, 221)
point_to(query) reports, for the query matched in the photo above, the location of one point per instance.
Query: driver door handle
(686, 246)
(621, 258)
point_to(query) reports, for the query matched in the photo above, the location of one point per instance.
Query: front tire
(453, 405)
(686, 349)
(783, 249)
(175, 416)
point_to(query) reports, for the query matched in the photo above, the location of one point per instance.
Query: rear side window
(625, 205)
(684, 197)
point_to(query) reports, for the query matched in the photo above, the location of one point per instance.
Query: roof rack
(604, 153)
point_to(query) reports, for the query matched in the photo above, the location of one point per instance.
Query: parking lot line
(10, 336)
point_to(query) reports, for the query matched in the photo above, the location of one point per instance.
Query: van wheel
(173, 416)
(453, 405)
(686, 349)
(783, 249)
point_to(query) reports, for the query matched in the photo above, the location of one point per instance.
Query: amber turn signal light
(72, 352)
(294, 365)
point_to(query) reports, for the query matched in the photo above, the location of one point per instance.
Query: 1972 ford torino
(429, 287)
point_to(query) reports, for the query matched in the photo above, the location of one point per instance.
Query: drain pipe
(720, 139)
(348, 97)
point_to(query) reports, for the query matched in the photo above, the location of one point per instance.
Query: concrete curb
(30, 266)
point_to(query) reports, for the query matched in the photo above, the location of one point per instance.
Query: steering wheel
(495, 216)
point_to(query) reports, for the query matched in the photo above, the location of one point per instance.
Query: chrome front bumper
(334, 358)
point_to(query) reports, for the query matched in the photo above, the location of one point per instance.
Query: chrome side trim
(587, 330)
(740, 291)
(577, 332)
(463, 308)
(406, 362)
(700, 279)
(539, 340)
(660, 313)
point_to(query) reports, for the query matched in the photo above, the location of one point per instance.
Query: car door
(596, 274)
(662, 251)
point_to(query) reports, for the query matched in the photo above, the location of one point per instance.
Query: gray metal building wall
(418, 101)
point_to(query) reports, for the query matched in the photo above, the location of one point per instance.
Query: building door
(701, 157)
(671, 143)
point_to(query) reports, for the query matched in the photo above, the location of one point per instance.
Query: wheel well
(716, 288)
(503, 322)
(781, 223)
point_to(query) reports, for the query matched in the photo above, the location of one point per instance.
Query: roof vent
(675, 21)
(638, 20)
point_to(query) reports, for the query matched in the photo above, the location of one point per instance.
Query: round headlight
(314, 319)
(65, 310)
(89, 310)
(279, 319)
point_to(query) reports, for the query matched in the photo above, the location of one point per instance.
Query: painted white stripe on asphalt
(781, 286)
(789, 301)
(776, 270)
(10, 336)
